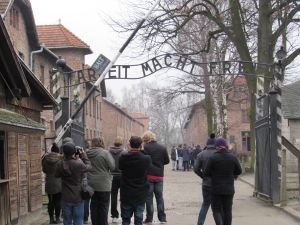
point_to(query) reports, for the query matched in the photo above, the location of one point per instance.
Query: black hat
(69, 149)
(55, 148)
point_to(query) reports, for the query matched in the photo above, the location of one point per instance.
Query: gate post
(275, 140)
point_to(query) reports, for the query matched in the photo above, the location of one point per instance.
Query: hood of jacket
(115, 150)
(52, 158)
(93, 152)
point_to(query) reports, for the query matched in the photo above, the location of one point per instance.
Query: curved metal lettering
(179, 62)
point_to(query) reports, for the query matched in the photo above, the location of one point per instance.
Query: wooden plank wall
(35, 172)
(13, 169)
(25, 174)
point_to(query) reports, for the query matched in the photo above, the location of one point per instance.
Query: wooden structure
(22, 98)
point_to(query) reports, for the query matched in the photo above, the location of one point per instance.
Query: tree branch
(291, 57)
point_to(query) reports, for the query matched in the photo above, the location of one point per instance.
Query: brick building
(237, 119)
(64, 43)
(118, 122)
(22, 98)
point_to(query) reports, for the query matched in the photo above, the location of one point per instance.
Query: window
(42, 75)
(51, 125)
(246, 141)
(14, 18)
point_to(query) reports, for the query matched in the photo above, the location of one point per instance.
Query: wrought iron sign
(160, 62)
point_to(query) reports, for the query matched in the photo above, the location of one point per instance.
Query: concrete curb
(290, 211)
(286, 209)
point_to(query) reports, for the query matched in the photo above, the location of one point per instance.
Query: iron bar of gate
(101, 77)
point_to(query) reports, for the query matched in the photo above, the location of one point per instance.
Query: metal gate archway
(267, 175)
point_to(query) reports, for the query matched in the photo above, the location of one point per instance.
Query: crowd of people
(183, 156)
(84, 181)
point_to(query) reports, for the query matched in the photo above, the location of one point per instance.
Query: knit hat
(69, 149)
(67, 139)
(55, 148)
(211, 141)
(221, 142)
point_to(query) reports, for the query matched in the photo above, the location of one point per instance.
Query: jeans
(180, 163)
(157, 189)
(86, 210)
(186, 166)
(99, 208)
(206, 194)
(116, 183)
(73, 213)
(222, 206)
(127, 211)
(54, 204)
(174, 164)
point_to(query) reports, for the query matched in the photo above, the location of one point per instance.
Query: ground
(182, 192)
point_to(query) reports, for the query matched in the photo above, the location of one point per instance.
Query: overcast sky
(87, 20)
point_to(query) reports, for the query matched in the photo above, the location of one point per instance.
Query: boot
(58, 221)
(52, 221)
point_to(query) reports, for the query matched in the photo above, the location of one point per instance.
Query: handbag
(87, 191)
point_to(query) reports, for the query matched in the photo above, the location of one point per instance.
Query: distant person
(134, 185)
(223, 167)
(186, 157)
(196, 151)
(71, 170)
(100, 179)
(180, 157)
(115, 151)
(200, 164)
(52, 183)
(174, 158)
(155, 176)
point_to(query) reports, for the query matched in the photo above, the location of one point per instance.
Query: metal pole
(97, 83)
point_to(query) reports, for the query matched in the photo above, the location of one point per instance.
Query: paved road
(183, 200)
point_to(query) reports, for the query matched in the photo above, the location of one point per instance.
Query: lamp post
(61, 64)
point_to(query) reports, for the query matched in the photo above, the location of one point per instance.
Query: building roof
(122, 111)
(14, 119)
(38, 89)
(193, 109)
(291, 101)
(58, 36)
(26, 10)
(10, 67)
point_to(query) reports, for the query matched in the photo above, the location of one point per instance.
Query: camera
(78, 149)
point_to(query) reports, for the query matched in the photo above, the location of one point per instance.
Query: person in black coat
(134, 185)
(223, 167)
(155, 176)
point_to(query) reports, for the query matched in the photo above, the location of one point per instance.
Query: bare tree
(254, 28)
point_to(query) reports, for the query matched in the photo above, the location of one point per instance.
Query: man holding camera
(71, 170)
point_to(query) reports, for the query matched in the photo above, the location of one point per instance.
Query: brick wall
(117, 122)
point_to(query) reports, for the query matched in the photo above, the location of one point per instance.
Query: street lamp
(61, 64)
